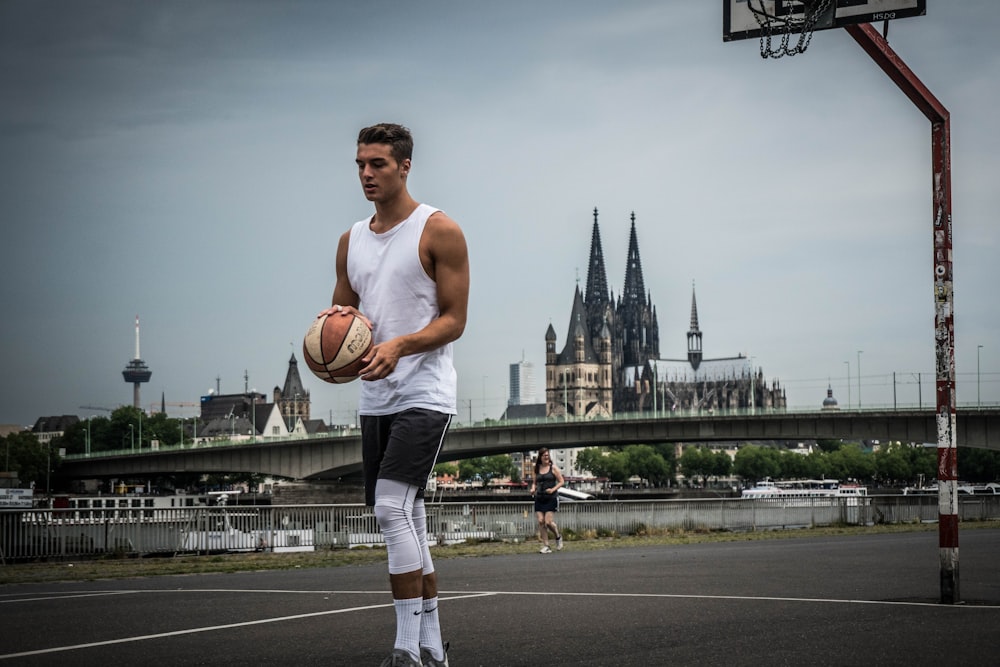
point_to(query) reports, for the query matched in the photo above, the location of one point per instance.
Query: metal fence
(63, 533)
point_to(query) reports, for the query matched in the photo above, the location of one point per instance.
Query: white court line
(752, 598)
(60, 649)
(466, 593)
(457, 595)
(452, 595)
(41, 597)
(69, 596)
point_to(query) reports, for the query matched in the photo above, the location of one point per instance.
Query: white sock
(408, 623)
(430, 629)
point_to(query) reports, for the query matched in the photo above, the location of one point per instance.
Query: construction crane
(154, 407)
(96, 407)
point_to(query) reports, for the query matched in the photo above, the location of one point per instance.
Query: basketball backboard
(745, 19)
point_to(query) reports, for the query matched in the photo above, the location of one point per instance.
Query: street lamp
(979, 402)
(654, 387)
(253, 414)
(859, 378)
(131, 433)
(848, 384)
(87, 448)
(48, 469)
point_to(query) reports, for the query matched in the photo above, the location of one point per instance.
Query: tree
(73, 439)
(668, 453)
(647, 463)
(160, 427)
(253, 480)
(722, 464)
(754, 462)
(123, 430)
(978, 465)
(849, 462)
(809, 466)
(443, 469)
(601, 462)
(828, 445)
(486, 468)
(696, 461)
(99, 434)
(923, 462)
(892, 465)
(30, 459)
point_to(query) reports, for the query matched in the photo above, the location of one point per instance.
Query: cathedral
(610, 362)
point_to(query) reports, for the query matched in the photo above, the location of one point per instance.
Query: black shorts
(546, 502)
(403, 447)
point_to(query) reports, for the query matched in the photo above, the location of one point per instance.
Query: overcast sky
(193, 163)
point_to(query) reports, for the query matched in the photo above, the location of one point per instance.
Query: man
(406, 270)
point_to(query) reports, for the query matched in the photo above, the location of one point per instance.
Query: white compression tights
(403, 521)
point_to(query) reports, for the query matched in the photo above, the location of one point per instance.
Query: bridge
(332, 456)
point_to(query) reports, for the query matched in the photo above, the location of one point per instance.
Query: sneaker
(428, 660)
(559, 543)
(545, 550)
(400, 658)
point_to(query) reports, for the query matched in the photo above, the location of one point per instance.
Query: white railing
(64, 533)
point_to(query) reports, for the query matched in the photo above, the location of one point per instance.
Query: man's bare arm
(343, 292)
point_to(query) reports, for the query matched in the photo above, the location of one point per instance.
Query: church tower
(578, 381)
(293, 398)
(694, 335)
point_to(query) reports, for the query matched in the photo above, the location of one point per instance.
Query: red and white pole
(944, 306)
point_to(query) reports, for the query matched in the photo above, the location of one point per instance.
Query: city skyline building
(610, 361)
(522, 383)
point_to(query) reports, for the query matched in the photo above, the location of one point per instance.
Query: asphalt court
(818, 601)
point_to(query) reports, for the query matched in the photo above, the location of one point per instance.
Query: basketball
(334, 345)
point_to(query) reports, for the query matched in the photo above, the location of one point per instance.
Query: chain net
(791, 21)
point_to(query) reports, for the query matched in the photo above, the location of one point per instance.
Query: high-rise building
(522, 383)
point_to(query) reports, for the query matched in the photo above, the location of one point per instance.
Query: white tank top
(399, 298)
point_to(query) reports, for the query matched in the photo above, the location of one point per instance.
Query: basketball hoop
(787, 19)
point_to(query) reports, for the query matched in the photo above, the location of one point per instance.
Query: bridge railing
(74, 533)
(507, 423)
(243, 441)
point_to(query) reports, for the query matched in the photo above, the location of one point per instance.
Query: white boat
(804, 490)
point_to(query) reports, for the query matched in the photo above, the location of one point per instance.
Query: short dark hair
(398, 138)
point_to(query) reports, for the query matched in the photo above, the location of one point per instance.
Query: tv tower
(137, 371)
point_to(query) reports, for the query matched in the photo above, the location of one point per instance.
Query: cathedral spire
(694, 309)
(635, 287)
(694, 334)
(597, 278)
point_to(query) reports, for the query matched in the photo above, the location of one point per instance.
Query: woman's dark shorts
(546, 502)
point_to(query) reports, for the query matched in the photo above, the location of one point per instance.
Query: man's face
(382, 178)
